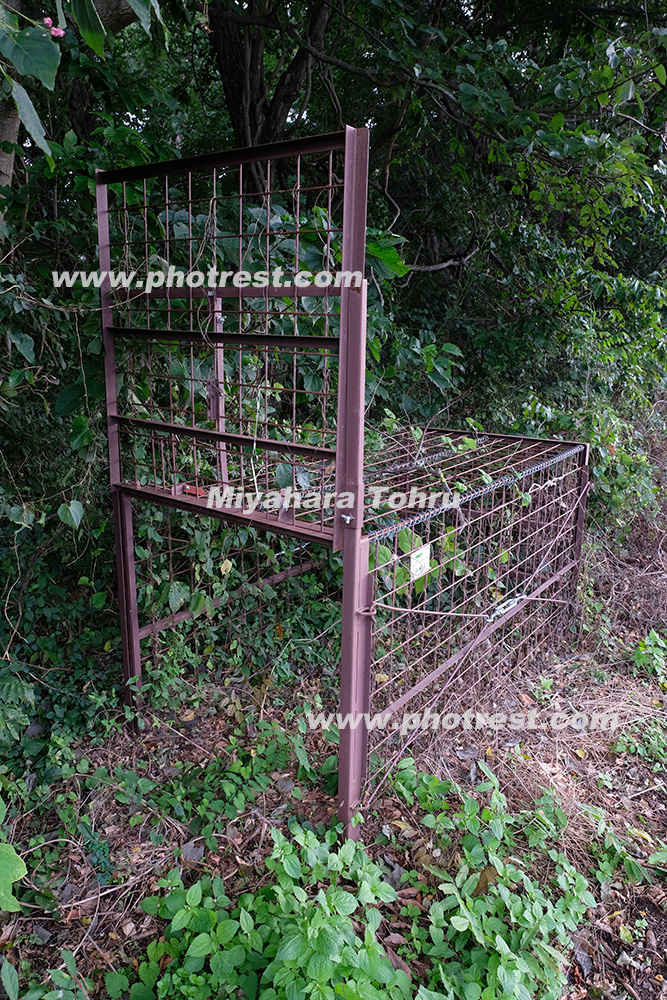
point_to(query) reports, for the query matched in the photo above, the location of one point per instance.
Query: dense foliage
(517, 157)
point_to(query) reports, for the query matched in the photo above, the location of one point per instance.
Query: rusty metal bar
(270, 581)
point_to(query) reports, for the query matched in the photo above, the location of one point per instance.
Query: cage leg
(579, 526)
(355, 681)
(127, 592)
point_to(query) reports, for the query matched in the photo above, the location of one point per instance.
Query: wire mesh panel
(229, 285)
(475, 583)
(248, 585)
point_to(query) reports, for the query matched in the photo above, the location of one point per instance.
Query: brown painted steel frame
(347, 532)
(355, 659)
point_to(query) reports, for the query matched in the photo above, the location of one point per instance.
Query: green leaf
(142, 8)
(320, 968)
(70, 399)
(99, 600)
(226, 930)
(661, 74)
(90, 26)
(198, 604)
(194, 894)
(81, 435)
(386, 261)
(8, 902)
(247, 923)
(343, 902)
(291, 947)
(70, 961)
(12, 867)
(557, 122)
(200, 947)
(30, 119)
(140, 991)
(460, 923)
(34, 53)
(25, 344)
(292, 865)
(181, 919)
(70, 514)
(10, 979)
(116, 984)
(625, 92)
(178, 593)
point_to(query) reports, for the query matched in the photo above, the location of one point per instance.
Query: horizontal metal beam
(311, 531)
(276, 340)
(180, 616)
(268, 292)
(248, 154)
(204, 434)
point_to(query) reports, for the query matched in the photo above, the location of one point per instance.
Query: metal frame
(225, 386)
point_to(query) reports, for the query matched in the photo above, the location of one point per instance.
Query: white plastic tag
(420, 562)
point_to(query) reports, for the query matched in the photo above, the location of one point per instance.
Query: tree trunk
(9, 122)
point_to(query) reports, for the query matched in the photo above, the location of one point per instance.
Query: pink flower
(48, 22)
(57, 32)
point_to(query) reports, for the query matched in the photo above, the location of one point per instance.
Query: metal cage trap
(230, 377)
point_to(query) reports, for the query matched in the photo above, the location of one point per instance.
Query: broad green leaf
(70, 514)
(226, 930)
(291, 947)
(116, 984)
(181, 919)
(70, 961)
(342, 901)
(30, 119)
(292, 865)
(25, 344)
(194, 894)
(625, 92)
(460, 923)
(320, 968)
(8, 902)
(661, 74)
(92, 30)
(10, 979)
(178, 593)
(200, 947)
(142, 8)
(34, 53)
(12, 867)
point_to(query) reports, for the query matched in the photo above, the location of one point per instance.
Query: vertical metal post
(122, 505)
(216, 403)
(348, 522)
(127, 590)
(354, 681)
(579, 523)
